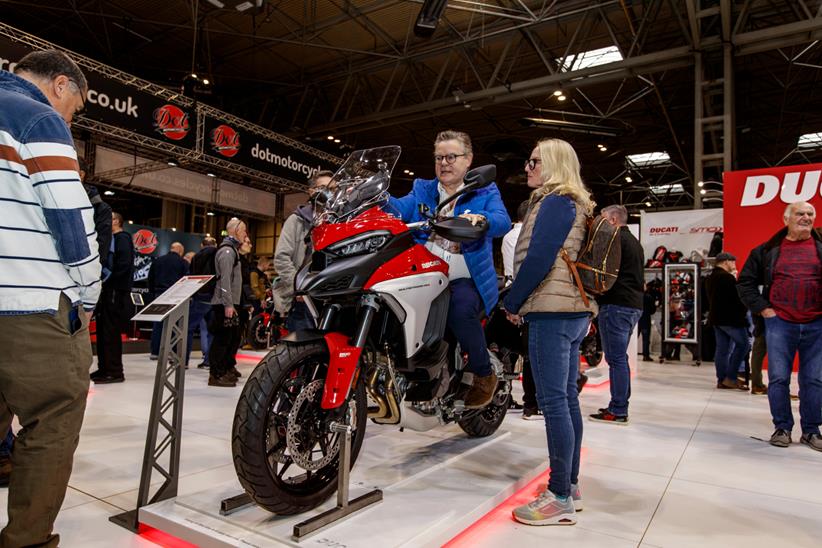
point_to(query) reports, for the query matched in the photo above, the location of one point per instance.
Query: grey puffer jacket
(290, 254)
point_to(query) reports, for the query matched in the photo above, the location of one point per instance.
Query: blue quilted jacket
(479, 254)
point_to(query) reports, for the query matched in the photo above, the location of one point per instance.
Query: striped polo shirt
(48, 245)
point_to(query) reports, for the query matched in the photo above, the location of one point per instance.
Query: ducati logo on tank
(225, 141)
(755, 200)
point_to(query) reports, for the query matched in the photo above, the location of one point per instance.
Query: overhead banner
(256, 151)
(755, 201)
(117, 104)
(683, 231)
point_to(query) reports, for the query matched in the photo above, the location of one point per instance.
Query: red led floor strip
(163, 539)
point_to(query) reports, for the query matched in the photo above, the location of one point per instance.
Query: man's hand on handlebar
(475, 218)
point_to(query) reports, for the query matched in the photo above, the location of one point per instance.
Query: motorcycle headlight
(368, 242)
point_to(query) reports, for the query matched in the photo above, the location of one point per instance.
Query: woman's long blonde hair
(560, 174)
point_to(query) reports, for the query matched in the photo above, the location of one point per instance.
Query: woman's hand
(475, 218)
(515, 319)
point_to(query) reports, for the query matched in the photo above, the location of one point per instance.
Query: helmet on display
(657, 258)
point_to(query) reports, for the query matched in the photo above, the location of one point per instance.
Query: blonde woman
(544, 295)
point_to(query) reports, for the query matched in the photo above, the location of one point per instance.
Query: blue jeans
(6, 444)
(464, 313)
(198, 312)
(616, 323)
(553, 346)
(784, 340)
(299, 317)
(732, 345)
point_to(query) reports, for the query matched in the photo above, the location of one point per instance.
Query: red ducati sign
(755, 201)
(171, 121)
(225, 141)
(145, 241)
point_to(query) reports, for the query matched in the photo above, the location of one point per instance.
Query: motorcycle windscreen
(342, 365)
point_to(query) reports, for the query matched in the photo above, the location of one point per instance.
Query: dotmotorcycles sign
(256, 151)
(755, 200)
(117, 104)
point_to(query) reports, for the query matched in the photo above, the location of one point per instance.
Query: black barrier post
(166, 412)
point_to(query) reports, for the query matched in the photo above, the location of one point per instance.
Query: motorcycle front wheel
(285, 456)
(258, 332)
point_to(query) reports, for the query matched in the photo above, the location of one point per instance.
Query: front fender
(342, 365)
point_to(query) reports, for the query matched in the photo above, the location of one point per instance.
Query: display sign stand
(344, 507)
(165, 423)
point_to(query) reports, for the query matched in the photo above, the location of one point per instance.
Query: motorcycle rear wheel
(267, 470)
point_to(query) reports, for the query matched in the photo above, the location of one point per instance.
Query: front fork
(344, 353)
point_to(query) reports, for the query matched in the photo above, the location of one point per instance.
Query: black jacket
(724, 306)
(122, 264)
(758, 271)
(165, 271)
(628, 288)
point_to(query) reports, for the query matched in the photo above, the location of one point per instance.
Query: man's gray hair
(49, 64)
(790, 206)
(619, 212)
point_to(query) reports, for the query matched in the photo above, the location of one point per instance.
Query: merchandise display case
(681, 314)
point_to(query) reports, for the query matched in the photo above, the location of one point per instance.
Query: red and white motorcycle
(380, 351)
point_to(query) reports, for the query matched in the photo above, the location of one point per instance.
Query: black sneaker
(814, 441)
(226, 380)
(96, 374)
(531, 414)
(108, 379)
(515, 406)
(781, 438)
(203, 365)
(606, 416)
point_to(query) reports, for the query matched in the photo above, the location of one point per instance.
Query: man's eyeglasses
(531, 164)
(449, 158)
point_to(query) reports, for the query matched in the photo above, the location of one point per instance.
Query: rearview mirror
(477, 178)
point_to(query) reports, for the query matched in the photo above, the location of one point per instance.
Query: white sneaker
(547, 509)
(576, 496)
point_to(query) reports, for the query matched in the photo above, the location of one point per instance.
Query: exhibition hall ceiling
(614, 77)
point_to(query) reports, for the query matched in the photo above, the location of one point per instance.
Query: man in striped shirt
(49, 284)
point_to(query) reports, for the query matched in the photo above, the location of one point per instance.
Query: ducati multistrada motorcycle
(380, 351)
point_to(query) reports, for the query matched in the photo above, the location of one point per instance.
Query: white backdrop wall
(685, 231)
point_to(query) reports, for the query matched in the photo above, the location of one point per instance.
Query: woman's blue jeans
(553, 343)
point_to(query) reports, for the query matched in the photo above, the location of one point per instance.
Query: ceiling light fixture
(577, 127)
(628, 179)
(173, 229)
(411, 173)
(648, 204)
(172, 163)
(131, 222)
(330, 137)
(210, 213)
(561, 98)
(603, 149)
(206, 81)
(210, 174)
(109, 193)
(557, 93)
(337, 141)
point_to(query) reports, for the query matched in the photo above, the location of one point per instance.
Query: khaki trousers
(44, 380)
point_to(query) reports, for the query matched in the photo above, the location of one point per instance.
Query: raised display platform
(435, 485)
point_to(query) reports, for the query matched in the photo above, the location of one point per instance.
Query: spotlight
(429, 17)
(700, 184)
(172, 163)
(131, 222)
(557, 93)
(330, 137)
(603, 149)
(210, 174)
(647, 204)
(337, 141)
(411, 173)
(210, 213)
(193, 75)
(406, 171)
(628, 179)
(173, 229)
(109, 193)
(703, 191)
(206, 81)
(561, 97)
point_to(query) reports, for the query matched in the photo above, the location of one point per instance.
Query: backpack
(597, 266)
(204, 263)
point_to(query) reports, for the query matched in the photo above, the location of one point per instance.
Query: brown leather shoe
(225, 380)
(759, 390)
(481, 392)
(5, 471)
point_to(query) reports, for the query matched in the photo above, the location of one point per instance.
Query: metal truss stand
(166, 413)
(344, 507)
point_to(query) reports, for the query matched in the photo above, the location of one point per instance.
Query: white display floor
(685, 472)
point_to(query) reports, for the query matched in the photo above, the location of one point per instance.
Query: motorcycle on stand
(380, 351)
(265, 328)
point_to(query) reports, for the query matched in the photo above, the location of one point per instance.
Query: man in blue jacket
(471, 272)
